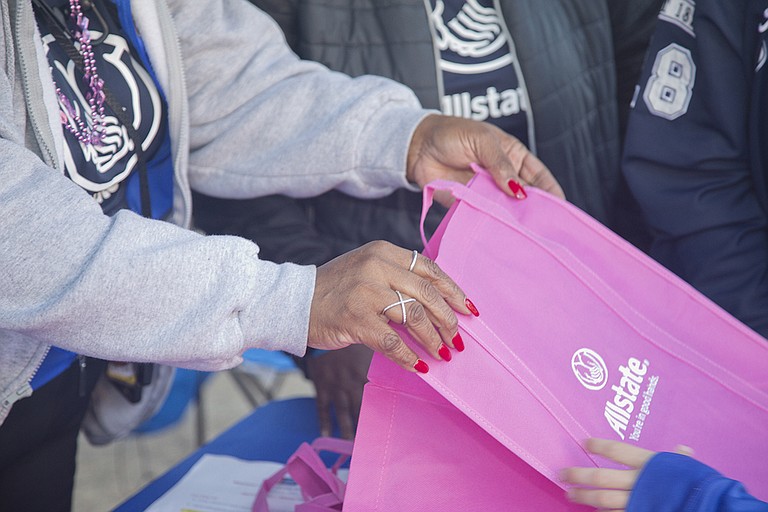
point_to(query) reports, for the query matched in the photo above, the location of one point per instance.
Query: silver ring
(400, 302)
(413, 260)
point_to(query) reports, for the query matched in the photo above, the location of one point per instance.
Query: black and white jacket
(579, 59)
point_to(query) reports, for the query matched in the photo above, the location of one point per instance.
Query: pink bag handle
(682, 351)
(428, 198)
(460, 192)
(322, 490)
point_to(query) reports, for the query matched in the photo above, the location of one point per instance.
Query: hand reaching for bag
(339, 377)
(442, 147)
(358, 293)
(609, 488)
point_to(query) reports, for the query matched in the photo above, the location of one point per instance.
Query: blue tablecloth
(272, 432)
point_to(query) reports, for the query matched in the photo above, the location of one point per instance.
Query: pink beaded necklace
(96, 96)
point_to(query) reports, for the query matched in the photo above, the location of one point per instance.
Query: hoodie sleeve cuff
(670, 482)
(384, 149)
(278, 316)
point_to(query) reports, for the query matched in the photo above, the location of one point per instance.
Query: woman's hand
(609, 489)
(442, 147)
(358, 293)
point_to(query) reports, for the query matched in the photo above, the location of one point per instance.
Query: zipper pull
(83, 384)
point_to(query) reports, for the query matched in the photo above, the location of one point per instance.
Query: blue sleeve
(675, 483)
(687, 154)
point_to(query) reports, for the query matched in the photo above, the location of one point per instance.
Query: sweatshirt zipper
(436, 53)
(26, 389)
(520, 78)
(82, 382)
(24, 9)
(175, 94)
(186, 195)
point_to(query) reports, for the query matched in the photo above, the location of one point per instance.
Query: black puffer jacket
(579, 59)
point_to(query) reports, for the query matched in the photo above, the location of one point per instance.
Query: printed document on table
(220, 483)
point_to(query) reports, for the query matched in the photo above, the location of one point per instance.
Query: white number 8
(669, 88)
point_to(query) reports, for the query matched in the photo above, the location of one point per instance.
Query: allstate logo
(475, 37)
(589, 368)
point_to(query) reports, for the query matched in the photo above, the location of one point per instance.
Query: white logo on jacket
(115, 158)
(476, 32)
(590, 369)
(762, 28)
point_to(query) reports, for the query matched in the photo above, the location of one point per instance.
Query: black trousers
(38, 442)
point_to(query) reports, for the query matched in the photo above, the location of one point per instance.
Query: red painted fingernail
(471, 307)
(517, 189)
(458, 342)
(421, 366)
(444, 352)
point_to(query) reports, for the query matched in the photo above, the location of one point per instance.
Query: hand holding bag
(579, 335)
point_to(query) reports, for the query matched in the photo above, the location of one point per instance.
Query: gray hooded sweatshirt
(247, 118)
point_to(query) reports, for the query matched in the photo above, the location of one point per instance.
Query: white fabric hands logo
(762, 57)
(115, 158)
(475, 32)
(589, 369)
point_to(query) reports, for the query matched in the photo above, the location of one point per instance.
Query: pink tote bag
(321, 488)
(579, 335)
